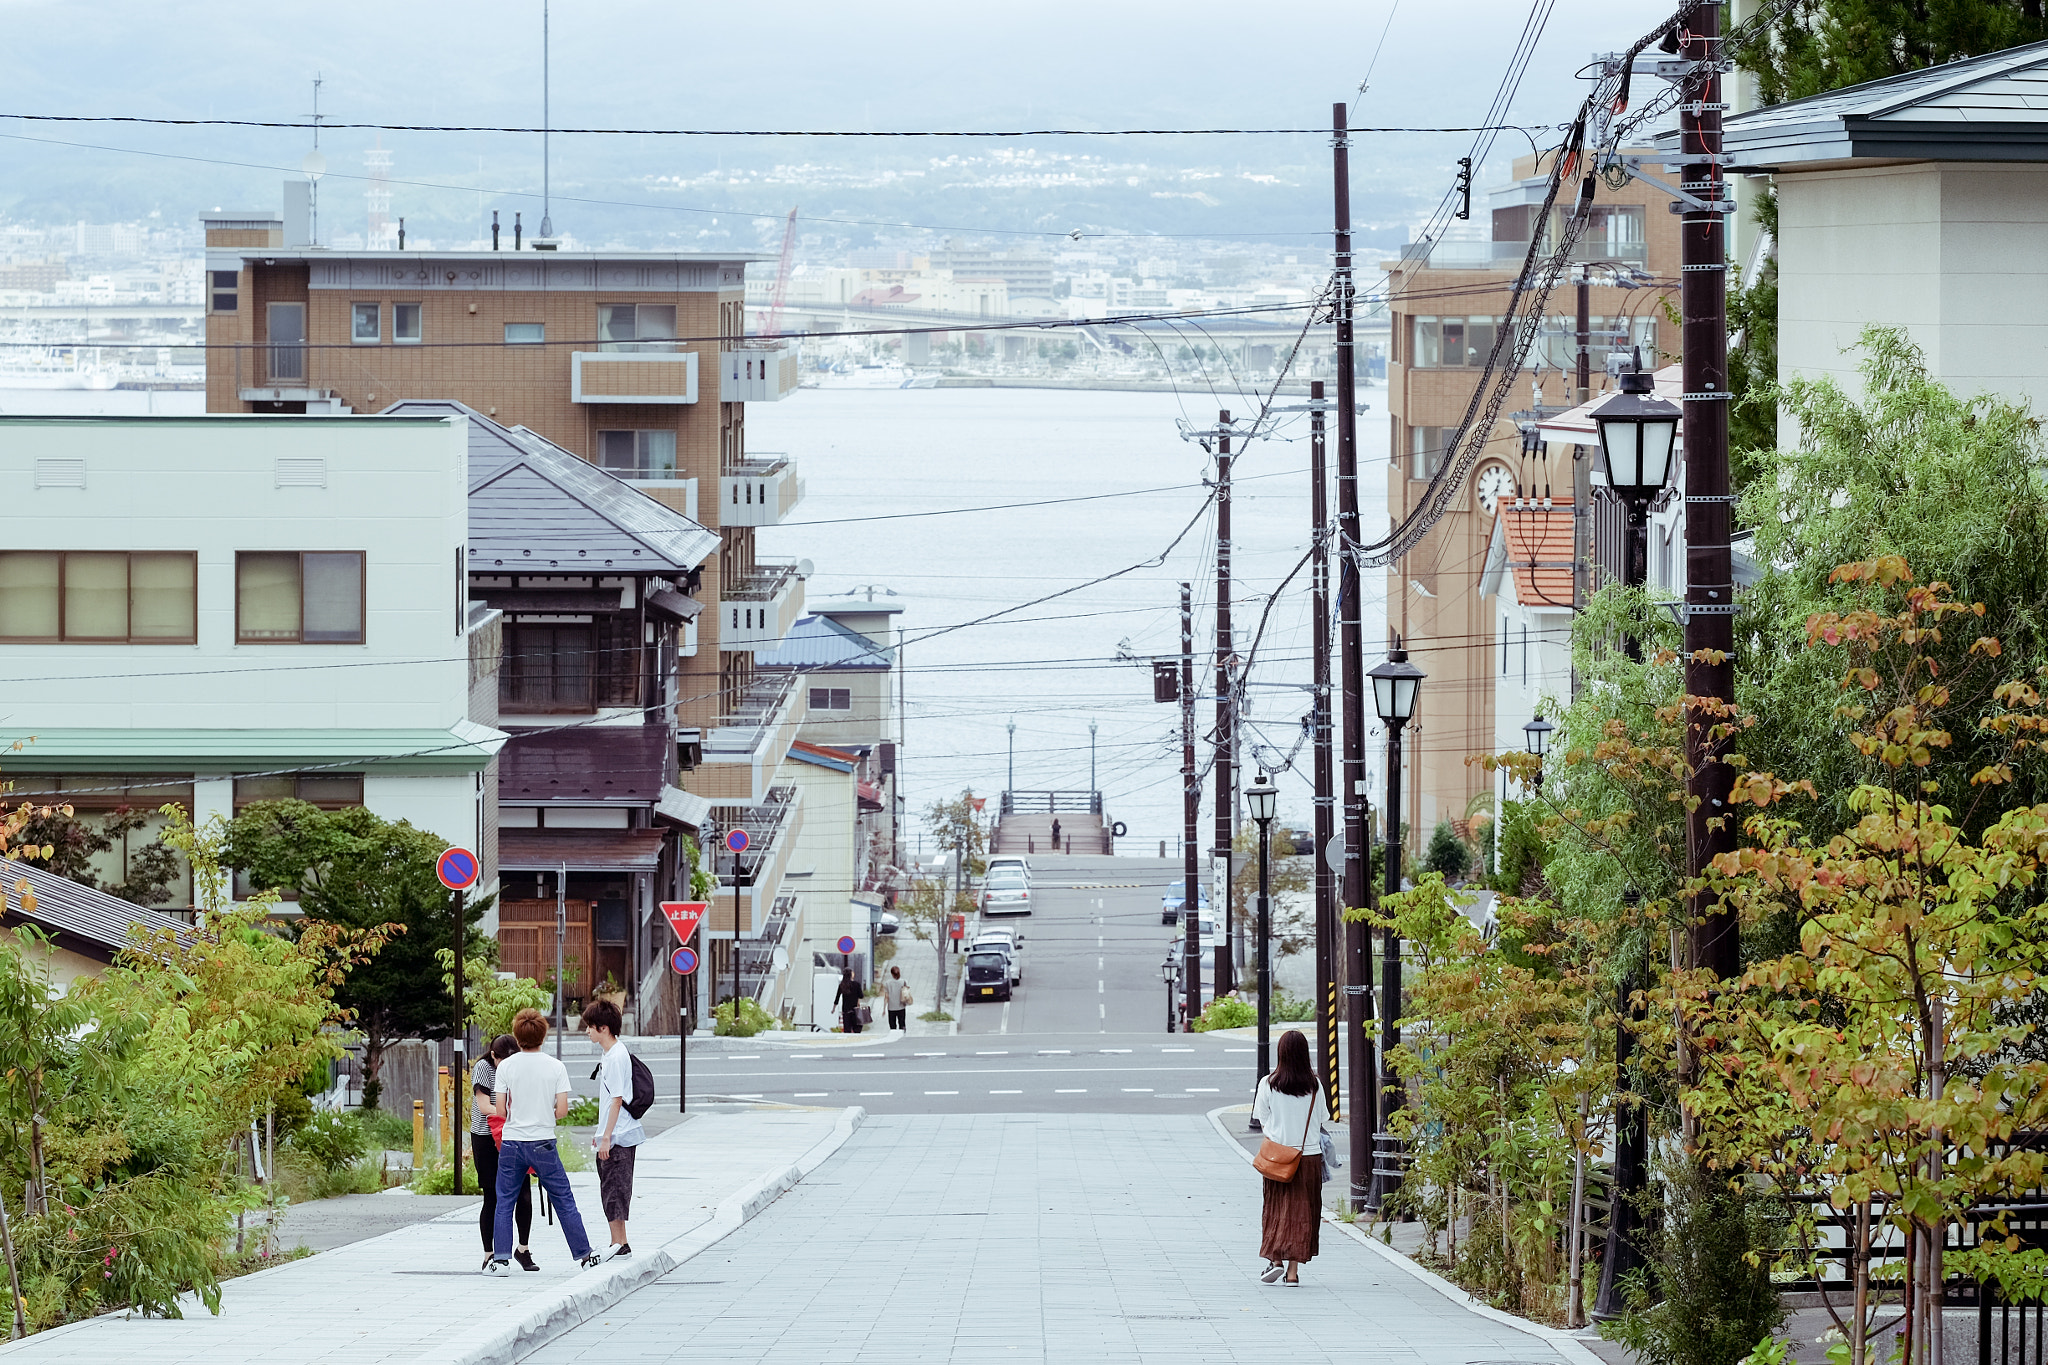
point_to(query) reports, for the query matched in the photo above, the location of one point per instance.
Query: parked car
(886, 925)
(1010, 861)
(1006, 942)
(988, 976)
(1176, 897)
(1006, 892)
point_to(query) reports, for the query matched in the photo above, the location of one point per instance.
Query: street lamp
(1169, 972)
(1637, 433)
(1091, 758)
(1536, 734)
(1394, 687)
(1262, 801)
(1013, 757)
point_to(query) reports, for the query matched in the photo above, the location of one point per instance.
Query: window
(366, 323)
(525, 333)
(328, 791)
(547, 668)
(636, 327)
(831, 699)
(1461, 342)
(225, 283)
(287, 341)
(313, 597)
(405, 324)
(1426, 450)
(140, 597)
(638, 454)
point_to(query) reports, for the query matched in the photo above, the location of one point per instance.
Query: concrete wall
(822, 872)
(1955, 254)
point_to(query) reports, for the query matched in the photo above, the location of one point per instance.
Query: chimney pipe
(494, 229)
(401, 234)
(517, 232)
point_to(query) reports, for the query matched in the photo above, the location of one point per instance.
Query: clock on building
(1493, 482)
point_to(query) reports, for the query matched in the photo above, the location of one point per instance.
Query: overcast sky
(877, 65)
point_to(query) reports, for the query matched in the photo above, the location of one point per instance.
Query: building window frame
(529, 333)
(325, 791)
(225, 288)
(358, 315)
(248, 559)
(651, 330)
(61, 605)
(833, 699)
(408, 323)
(653, 455)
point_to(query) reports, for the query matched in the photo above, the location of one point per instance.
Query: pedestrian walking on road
(849, 1001)
(619, 1133)
(483, 1146)
(532, 1095)
(1292, 1114)
(1056, 834)
(896, 995)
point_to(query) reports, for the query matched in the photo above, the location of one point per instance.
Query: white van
(1008, 860)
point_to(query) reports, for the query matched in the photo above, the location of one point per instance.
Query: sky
(798, 64)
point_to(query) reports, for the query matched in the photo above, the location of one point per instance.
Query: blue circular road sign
(458, 869)
(737, 841)
(846, 943)
(684, 960)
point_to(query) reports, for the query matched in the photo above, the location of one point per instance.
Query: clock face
(1495, 482)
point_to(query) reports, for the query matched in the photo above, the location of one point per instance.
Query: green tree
(956, 827)
(1289, 878)
(1815, 46)
(1448, 855)
(75, 841)
(354, 869)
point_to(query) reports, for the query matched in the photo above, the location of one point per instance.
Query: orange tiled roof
(1538, 536)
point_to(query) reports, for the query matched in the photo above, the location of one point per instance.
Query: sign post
(458, 870)
(683, 917)
(737, 841)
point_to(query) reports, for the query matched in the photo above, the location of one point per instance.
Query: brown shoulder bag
(1278, 1162)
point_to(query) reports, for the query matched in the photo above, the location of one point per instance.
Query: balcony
(755, 612)
(743, 748)
(759, 374)
(758, 492)
(772, 826)
(632, 377)
(1509, 255)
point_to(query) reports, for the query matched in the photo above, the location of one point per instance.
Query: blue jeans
(513, 1159)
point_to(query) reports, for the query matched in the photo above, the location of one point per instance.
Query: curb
(591, 1295)
(1566, 1344)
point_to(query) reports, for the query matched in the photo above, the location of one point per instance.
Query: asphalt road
(1084, 1033)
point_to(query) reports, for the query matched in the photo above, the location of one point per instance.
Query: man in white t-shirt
(619, 1134)
(531, 1093)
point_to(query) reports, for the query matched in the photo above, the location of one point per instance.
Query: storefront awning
(683, 808)
(634, 850)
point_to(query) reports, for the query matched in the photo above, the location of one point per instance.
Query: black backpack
(643, 1086)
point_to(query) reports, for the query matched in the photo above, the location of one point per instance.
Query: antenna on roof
(547, 221)
(315, 166)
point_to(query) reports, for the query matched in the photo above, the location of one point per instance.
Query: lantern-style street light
(1536, 734)
(1395, 685)
(1262, 802)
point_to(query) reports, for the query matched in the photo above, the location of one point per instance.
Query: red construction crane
(773, 324)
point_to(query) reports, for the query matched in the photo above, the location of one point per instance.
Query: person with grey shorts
(619, 1134)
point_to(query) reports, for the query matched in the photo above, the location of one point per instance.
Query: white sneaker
(620, 1252)
(497, 1267)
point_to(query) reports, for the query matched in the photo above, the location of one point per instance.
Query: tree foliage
(1815, 46)
(75, 842)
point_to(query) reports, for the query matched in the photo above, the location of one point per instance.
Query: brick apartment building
(1448, 300)
(630, 360)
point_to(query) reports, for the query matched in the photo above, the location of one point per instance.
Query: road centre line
(941, 1092)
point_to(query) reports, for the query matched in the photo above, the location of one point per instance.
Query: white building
(216, 610)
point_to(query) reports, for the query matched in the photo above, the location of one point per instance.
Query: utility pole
(1584, 392)
(1709, 564)
(1357, 941)
(1191, 811)
(1327, 920)
(1226, 722)
(561, 932)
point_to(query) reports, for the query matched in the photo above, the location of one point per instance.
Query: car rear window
(991, 961)
(1006, 877)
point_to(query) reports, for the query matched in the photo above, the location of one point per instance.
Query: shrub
(385, 1131)
(753, 1019)
(1226, 1011)
(332, 1140)
(1293, 1009)
(1447, 852)
(582, 1110)
(1700, 1301)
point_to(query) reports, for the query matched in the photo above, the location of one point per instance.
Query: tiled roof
(79, 918)
(535, 507)
(819, 644)
(612, 850)
(463, 747)
(1535, 536)
(612, 764)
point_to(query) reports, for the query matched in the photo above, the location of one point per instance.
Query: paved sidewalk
(920, 964)
(415, 1294)
(1033, 1237)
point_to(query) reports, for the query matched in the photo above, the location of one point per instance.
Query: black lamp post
(1262, 801)
(1394, 687)
(1637, 433)
(1536, 734)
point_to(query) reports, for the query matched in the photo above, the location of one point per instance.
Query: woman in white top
(1292, 1112)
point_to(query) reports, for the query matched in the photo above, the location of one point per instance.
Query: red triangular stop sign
(683, 917)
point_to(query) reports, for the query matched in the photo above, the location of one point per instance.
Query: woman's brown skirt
(1290, 1226)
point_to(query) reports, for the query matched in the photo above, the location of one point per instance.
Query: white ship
(886, 374)
(53, 368)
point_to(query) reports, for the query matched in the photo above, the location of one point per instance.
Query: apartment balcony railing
(758, 374)
(772, 827)
(1509, 255)
(757, 610)
(742, 750)
(759, 491)
(632, 377)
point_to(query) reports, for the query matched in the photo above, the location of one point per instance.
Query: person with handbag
(851, 1001)
(484, 1136)
(896, 996)
(1293, 1114)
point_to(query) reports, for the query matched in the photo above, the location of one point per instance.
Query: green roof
(463, 748)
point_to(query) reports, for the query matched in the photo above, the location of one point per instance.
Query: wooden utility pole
(1357, 939)
(1328, 922)
(1191, 812)
(1226, 720)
